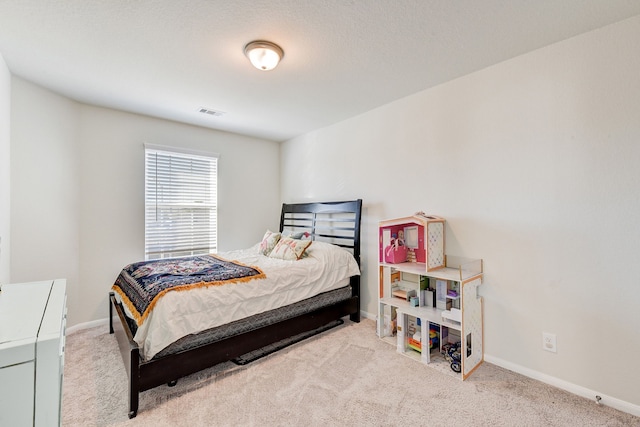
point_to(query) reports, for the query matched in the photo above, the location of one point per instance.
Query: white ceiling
(168, 58)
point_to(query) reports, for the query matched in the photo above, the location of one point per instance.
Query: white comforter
(176, 314)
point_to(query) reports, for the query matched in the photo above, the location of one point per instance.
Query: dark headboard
(332, 222)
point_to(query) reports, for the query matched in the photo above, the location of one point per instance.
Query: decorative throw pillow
(298, 235)
(290, 249)
(269, 242)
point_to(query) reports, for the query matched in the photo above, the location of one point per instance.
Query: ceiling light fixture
(263, 55)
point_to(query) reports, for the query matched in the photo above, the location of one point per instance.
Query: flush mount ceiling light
(263, 55)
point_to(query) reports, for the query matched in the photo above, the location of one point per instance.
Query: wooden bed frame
(334, 222)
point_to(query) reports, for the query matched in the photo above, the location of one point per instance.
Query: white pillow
(340, 259)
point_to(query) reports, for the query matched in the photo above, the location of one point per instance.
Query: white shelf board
(408, 267)
(444, 273)
(430, 314)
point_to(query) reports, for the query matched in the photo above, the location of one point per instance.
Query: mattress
(325, 268)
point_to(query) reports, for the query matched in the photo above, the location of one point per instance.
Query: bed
(249, 329)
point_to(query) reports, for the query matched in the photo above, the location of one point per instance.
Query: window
(180, 203)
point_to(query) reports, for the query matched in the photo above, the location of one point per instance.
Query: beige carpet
(344, 377)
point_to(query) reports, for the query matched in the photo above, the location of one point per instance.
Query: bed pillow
(340, 259)
(269, 241)
(290, 249)
(298, 235)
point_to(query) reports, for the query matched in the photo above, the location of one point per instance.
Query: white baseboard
(88, 325)
(618, 404)
(368, 315)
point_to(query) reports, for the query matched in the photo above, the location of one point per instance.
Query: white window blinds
(180, 203)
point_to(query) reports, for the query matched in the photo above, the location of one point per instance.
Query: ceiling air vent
(210, 112)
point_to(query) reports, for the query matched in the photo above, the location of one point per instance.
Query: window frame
(175, 226)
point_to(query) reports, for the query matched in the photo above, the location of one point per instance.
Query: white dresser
(32, 336)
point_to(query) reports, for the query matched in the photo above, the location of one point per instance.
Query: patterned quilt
(141, 284)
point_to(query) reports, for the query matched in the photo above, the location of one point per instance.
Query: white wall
(79, 177)
(5, 172)
(534, 164)
(44, 187)
(112, 189)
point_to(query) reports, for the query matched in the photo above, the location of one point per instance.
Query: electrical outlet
(549, 342)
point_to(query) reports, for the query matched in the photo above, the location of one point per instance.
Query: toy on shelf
(414, 342)
(434, 336)
(451, 352)
(396, 251)
(390, 324)
(404, 294)
(414, 339)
